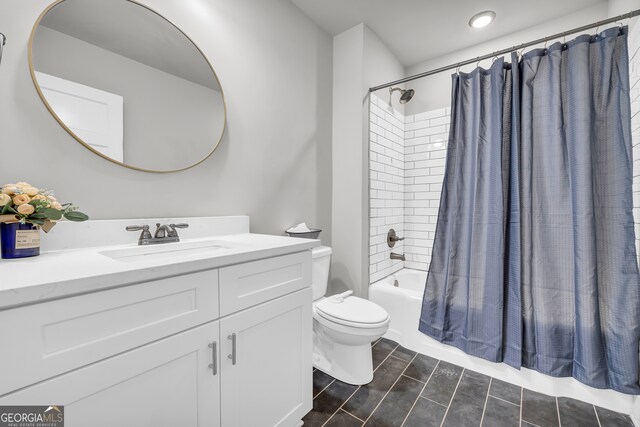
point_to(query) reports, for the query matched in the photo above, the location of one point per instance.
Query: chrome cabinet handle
(232, 356)
(214, 358)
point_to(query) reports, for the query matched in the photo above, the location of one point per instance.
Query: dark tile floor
(410, 389)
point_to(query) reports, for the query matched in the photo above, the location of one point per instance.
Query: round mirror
(127, 84)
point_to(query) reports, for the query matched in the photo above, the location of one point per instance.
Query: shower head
(405, 94)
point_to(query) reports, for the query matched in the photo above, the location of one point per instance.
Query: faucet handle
(392, 238)
(173, 232)
(137, 228)
(145, 236)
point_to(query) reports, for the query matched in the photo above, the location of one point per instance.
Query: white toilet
(344, 326)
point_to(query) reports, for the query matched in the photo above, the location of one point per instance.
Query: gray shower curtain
(534, 259)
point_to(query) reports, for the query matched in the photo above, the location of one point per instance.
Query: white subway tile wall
(407, 156)
(407, 161)
(386, 186)
(426, 136)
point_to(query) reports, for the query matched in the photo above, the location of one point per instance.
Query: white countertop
(61, 273)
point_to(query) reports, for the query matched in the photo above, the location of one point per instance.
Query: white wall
(619, 7)
(274, 162)
(360, 61)
(348, 158)
(434, 91)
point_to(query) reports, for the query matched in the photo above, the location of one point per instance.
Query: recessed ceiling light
(482, 19)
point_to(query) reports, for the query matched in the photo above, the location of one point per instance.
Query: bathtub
(404, 303)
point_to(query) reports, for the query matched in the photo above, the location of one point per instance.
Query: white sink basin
(169, 250)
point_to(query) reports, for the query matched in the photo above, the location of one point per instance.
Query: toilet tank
(320, 262)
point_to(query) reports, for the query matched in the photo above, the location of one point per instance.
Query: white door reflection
(94, 115)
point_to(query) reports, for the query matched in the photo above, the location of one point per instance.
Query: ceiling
(134, 32)
(417, 30)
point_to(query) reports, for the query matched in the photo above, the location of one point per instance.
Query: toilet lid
(352, 309)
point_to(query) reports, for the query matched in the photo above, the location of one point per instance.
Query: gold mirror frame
(76, 137)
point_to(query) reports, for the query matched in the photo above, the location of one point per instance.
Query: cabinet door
(270, 382)
(165, 383)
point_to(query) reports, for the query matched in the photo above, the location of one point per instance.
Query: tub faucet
(397, 256)
(392, 238)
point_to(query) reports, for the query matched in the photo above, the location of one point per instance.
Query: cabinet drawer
(251, 283)
(43, 340)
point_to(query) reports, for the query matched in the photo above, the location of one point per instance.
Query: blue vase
(19, 240)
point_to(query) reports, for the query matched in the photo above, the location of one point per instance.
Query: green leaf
(52, 214)
(8, 209)
(38, 215)
(76, 216)
(35, 221)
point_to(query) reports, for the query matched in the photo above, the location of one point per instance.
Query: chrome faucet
(145, 236)
(392, 238)
(397, 256)
(164, 233)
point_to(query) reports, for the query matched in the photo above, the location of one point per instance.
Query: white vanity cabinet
(230, 346)
(266, 341)
(165, 383)
(266, 378)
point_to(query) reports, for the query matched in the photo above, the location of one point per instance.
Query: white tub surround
(186, 333)
(407, 157)
(386, 186)
(404, 304)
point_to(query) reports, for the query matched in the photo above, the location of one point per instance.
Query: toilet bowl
(344, 326)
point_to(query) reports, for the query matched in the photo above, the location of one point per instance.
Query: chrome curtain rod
(597, 24)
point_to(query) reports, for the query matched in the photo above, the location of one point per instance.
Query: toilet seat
(352, 311)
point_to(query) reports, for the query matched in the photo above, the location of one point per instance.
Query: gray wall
(361, 60)
(348, 162)
(274, 162)
(169, 122)
(434, 91)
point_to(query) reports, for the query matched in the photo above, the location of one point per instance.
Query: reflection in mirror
(127, 83)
